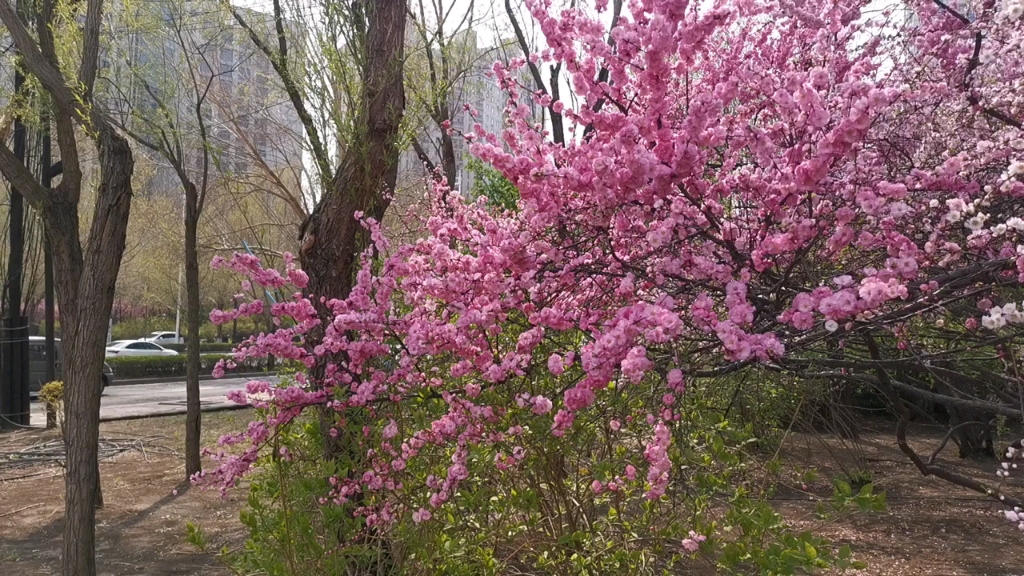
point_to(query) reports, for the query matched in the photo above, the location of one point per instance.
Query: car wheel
(103, 387)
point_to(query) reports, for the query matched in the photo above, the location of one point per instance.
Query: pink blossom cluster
(656, 454)
(693, 541)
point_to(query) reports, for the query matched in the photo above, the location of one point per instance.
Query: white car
(136, 348)
(162, 338)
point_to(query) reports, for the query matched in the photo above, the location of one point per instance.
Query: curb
(175, 412)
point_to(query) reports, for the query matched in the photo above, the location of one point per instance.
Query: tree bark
(449, 162)
(85, 292)
(193, 417)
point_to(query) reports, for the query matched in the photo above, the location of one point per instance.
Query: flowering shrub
(51, 395)
(557, 503)
(817, 189)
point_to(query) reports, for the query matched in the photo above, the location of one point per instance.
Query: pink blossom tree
(822, 190)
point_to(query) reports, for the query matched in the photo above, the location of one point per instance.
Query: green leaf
(843, 488)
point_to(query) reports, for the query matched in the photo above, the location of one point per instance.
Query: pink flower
(656, 453)
(579, 398)
(675, 380)
(556, 365)
(692, 544)
(671, 240)
(635, 364)
(563, 421)
(421, 515)
(541, 405)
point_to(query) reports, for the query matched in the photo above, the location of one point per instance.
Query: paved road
(136, 400)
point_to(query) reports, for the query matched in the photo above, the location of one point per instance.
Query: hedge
(204, 347)
(154, 366)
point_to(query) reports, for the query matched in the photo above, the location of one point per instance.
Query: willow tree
(361, 89)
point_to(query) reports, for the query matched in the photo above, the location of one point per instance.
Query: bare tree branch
(279, 62)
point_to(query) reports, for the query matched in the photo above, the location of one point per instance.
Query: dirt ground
(141, 529)
(930, 527)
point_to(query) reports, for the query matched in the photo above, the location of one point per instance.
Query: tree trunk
(85, 279)
(332, 238)
(974, 440)
(193, 417)
(234, 323)
(85, 292)
(269, 319)
(449, 162)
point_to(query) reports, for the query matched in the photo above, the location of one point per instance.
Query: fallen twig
(22, 509)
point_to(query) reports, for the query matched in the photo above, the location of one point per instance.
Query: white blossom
(976, 222)
(994, 320)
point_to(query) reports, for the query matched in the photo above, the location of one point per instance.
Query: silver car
(162, 338)
(37, 364)
(121, 348)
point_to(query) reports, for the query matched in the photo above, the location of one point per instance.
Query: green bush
(204, 347)
(135, 328)
(155, 366)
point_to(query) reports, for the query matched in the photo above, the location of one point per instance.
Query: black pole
(14, 396)
(17, 236)
(47, 174)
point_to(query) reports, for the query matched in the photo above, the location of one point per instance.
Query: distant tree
(167, 113)
(488, 183)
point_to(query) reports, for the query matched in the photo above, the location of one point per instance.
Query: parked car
(136, 348)
(37, 364)
(162, 338)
